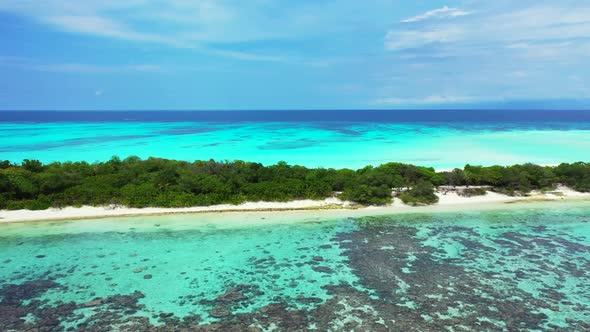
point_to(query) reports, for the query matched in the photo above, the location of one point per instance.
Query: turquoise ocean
(525, 267)
(352, 139)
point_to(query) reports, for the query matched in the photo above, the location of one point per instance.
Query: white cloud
(192, 23)
(400, 40)
(436, 99)
(82, 68)
(514, 26)
(201, 26)
(249, 56)
(519, 74)
(101, 26)
(443, 12)
(233, 29)
(78, 68)
(176, 23)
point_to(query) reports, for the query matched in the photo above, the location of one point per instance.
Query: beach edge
(448, 202)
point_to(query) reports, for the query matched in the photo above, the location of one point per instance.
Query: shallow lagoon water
(520, 270)
(313, 144)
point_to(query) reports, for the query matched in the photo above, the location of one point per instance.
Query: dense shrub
(471, 192)
(368, 195)
(422, 193)
(168, 183)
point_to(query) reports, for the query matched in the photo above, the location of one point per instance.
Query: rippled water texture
(313, 144)
(517, 270)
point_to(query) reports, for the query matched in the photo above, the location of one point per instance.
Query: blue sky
(306, 54)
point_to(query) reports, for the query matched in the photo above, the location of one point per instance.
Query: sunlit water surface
(519, 270)
(312, 144)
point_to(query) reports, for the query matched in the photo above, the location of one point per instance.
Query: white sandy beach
(447, 202)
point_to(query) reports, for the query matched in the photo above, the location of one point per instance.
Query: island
(132, 186)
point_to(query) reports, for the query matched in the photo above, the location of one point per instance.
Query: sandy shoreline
(448, 202)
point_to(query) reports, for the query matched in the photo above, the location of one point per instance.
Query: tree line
(156, 182)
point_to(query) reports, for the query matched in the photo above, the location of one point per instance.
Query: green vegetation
(167, 183)
(471, 192)
(420, 194)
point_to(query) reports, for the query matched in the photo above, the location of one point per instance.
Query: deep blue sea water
(353, 139)
(380, 116)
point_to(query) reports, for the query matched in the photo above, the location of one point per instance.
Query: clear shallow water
(310, 143)
(517, 270)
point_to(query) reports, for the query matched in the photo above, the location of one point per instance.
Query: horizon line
(300, 110)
